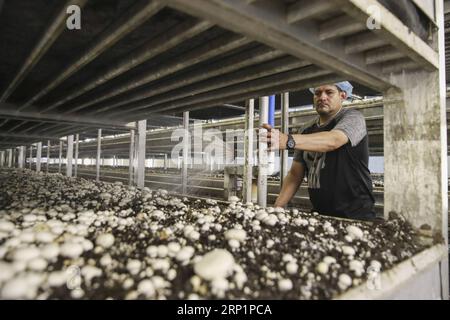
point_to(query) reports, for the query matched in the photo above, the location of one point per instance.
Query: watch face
(291, 143)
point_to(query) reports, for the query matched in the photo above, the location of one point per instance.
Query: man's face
(328, 99)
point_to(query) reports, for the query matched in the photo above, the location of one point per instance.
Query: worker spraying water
(332, 151)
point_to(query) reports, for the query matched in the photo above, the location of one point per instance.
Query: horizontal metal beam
(24, 136)
(49, 36)
(9, 111)
(268, 25)
(8, 144)
(69, 130)
(135, 17)
(234, 107)
(14, 143)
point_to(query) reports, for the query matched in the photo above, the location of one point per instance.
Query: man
(333, 153)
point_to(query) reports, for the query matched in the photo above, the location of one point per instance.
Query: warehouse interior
(131, 166)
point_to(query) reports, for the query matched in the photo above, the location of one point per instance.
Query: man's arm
(350, 129)
(321, 141)
(291, 184)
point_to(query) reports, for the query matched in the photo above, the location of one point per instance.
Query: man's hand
(274, 138)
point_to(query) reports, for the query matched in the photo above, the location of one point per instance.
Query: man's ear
(343, 95)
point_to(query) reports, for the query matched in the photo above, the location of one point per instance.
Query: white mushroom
(236, 234)
(105, 240)
(146, 288)
(347, 250)
(185, 254)
(134, 266)
(344, 281)
(6, 226)
(71, 249)
(285, 284)
(322, 268)
(354, 232)
(26, 254)
(215, 264)
(292, 268)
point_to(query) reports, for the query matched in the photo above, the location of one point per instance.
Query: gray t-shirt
(349, 121)
(339, 182)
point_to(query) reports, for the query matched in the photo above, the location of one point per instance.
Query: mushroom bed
(68, 238)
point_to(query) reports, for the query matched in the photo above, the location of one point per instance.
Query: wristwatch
(290, 144)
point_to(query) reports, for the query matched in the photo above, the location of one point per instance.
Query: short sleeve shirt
(339, 181)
